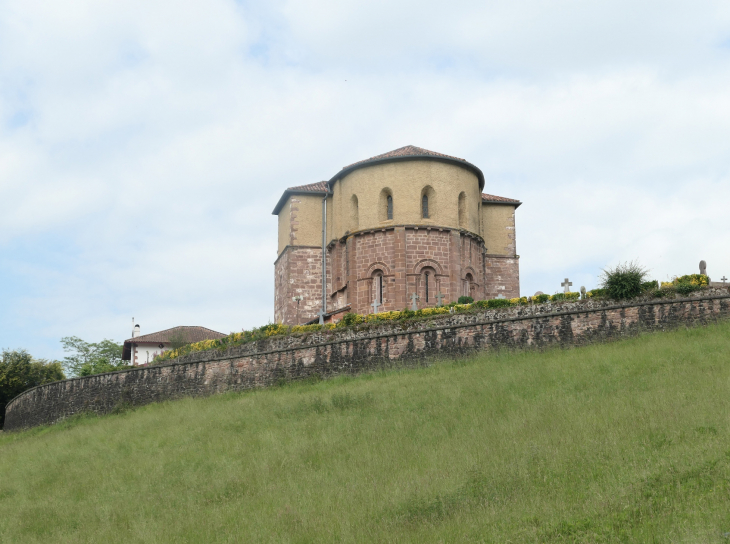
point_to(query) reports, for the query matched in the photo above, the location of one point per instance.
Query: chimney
(135, 331)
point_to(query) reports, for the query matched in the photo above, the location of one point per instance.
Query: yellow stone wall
(498, 228)
(405, 181)
(300, 221)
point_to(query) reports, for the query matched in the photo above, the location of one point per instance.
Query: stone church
(410, 221)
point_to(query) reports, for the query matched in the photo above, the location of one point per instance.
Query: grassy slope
(621, 442)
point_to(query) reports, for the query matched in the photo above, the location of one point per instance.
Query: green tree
(19, 372)
(88, 358)
(177, 340)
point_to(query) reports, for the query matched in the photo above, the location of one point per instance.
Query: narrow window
(426, 282)
(390, 207)
(424, 206)
(462, 211)
(380, 289)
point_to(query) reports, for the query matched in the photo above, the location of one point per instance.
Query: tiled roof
(189, 334)
(499, 199)
(406, 151)
(319, 187)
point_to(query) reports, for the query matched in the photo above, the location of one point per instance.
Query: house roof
(408, 152)
(189, 335)
(318, 188)
(493, 199)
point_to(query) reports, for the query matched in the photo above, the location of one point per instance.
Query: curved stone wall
(406, 181)
(351, 351)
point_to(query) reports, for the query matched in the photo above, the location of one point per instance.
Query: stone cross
(583, 291)
(440, 298)
(723, 279)
(414, 298)
(321, 315)
(375, 305)
(501, 296)
(703, 268)
(566, 285)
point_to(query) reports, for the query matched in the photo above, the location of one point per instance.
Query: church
(408, 226)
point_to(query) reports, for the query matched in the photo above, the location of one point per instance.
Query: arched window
(378, 287)
(468, 282)
(385, 205)
(462, 211)
(428, 285)
(424, 206)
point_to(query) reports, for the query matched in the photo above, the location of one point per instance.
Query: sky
(144, 144)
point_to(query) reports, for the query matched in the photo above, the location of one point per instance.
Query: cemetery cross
(566, 285)
(414, 298)
(440, 298)
(375, 305)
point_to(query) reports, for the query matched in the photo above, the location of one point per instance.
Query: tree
(20, 372)
(88, 358)
(177, 340)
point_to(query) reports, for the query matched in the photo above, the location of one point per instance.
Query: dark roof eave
(516, 203)
(463, 163)
(288, 193)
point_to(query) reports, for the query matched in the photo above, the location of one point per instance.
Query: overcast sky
(144, 143)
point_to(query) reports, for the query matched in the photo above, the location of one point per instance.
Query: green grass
(622, 442)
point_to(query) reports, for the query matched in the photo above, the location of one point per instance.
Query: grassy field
(624, 442)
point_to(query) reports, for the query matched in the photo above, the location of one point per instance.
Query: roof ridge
(406, 151)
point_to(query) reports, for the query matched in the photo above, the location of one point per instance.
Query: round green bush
(624, 281)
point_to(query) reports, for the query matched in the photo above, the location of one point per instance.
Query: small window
(424, 206)
(390, 207)
(426, 283)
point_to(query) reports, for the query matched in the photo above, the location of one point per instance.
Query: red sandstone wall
(351, 351)
(298, 272)
(403, 255)
(502, 276)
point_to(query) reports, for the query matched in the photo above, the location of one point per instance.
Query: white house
(142, 349)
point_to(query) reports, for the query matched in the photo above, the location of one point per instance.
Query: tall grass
(622, 442)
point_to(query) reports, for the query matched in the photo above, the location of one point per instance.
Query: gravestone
(375, 305)
(501, 296)
(440, 298)
(539, 293)
(703, 268)
(566, 285)
(583, 292)
(321, 315)
(723, 279)
(414, 298)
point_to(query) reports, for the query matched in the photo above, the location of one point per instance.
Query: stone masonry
(354, 350)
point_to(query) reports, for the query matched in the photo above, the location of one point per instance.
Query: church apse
(407, 222)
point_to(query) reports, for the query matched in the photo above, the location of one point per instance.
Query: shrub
(624, 281)
(685, 288)
(539, 299)
(465, 300)
(350, 319)
(650, 285)
(557, 297)
(597, 293)
(699, 280)
(498, 303)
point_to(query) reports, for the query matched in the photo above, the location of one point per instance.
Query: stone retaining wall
(351, 351)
